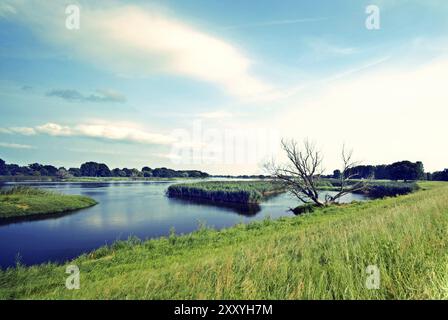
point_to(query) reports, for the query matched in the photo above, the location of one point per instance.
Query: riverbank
(323, 255)
(25, 202)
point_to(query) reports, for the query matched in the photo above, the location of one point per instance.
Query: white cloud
(54, 129)
(139, 42)
(109, 131)
(15, 145)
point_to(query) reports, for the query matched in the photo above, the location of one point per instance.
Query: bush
(390, 189)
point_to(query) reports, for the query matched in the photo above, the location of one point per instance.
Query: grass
(22, 202)
(323, 255)
(243, 192)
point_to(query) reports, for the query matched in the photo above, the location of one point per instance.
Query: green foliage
(20, 202)
(323, 255)
(225, 191)
(375, 188)
(390, 189)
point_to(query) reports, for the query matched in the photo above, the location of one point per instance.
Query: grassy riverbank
(242, 192)
(322, 255)
(22, 202)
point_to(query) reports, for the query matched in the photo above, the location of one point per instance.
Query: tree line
(94, 169)
(402, 170)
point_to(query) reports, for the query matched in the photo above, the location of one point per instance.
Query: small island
(241, 192)
(26, 202)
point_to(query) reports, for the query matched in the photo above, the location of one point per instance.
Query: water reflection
(247, 210)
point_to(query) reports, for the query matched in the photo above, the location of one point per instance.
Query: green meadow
(321, 255)
(23, 202)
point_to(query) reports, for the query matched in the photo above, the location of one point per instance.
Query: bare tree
(303, 172)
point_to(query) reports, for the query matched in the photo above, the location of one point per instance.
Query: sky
(215, 85)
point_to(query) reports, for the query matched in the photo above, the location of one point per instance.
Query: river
(124, 209)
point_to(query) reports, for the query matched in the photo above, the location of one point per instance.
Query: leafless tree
(303, 172)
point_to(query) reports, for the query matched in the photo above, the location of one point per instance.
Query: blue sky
(214, 85)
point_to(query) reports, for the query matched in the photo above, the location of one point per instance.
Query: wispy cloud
(6, 10)
(274, 23)
(100, 130)
(76, 96)
(15, 145)
(323, 48)
(26, 131)
(138, 41)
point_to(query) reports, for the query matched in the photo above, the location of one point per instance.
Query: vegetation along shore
(242, 192)
(25, 202)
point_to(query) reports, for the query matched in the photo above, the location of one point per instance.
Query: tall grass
(323, 255)
(225, 191)
(25, 190)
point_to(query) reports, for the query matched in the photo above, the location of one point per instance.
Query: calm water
(125, 209)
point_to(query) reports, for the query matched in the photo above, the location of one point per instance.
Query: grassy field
(322, 255)
(225, 191)
(21, 202)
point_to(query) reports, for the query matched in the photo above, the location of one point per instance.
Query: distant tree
(147, 172)
(3, 168)
(193, 174)
(50, 170)
(13, 169)
(382, 172)
(420, 170)
(103, 170)
(135, 173)
(440, 175)
(62, 173)
(337, 174)
(127, 172)
(35, 167)
(117, 172)
(406, 170)
(76, 172)
(89, 169)
(164, 173)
